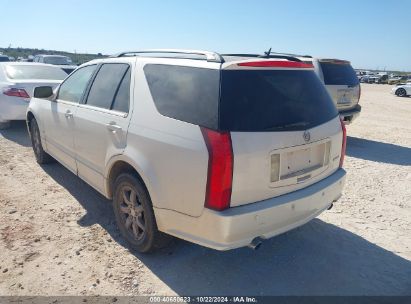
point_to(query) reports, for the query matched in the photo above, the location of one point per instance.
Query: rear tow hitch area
(255, 243)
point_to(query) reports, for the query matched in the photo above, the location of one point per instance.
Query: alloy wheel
(132, 213)
(401, 92)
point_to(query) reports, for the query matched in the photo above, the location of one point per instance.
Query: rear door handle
(68, 114)
(113, 127)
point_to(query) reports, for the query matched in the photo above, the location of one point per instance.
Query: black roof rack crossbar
(210, 56)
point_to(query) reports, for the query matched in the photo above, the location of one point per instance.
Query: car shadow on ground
(17, 132)
(315, 259)
(378, 151)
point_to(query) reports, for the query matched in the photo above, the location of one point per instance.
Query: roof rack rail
(272, 55)
(210, 56)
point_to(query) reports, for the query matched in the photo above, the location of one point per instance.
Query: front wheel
(135, 216)
(401, 92)
(41, 156)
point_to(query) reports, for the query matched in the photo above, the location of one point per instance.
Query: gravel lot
(58, 237)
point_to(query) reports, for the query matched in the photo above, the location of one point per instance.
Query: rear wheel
(41, 156)
(401, 92)
(135, 216)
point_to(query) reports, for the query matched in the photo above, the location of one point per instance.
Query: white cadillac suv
(222, 151)
(342, 84)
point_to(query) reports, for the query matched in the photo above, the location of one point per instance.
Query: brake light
(220, 169)
(344, 143)
(335, 61)
(16, 92)
(276, 64)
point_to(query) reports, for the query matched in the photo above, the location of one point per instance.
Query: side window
(122, 99)
(106, 84)
(188, 94)
(73, 88)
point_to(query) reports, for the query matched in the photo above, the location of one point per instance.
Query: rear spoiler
(267, 63)
(279, 56)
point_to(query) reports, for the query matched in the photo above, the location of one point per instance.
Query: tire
(41, 156)
(401, 92)
(135, 216)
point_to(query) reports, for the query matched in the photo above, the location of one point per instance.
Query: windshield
(339, 74)
(273, 100)
(35, 72)
(59, 60)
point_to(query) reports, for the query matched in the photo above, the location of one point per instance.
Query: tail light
(344, 143)
(16, 92)
(220, 169)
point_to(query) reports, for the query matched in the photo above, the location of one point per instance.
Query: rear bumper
(238, 226)
(13, 108)
(348, 116)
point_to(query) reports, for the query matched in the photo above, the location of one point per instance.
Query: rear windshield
(240, 100)
(273, 100)
(35, 72)
(339, 74)
(57, 60)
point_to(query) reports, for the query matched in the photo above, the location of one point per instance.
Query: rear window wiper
(286, 126)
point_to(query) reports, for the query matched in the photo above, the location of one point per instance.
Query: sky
(371, 34)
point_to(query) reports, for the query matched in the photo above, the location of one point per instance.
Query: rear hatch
(285, 130)
(30, 85)
(20, 91)
(29, 76)
(341, 82)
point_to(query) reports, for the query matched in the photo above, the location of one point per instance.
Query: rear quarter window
(188, 94)
(339, 74)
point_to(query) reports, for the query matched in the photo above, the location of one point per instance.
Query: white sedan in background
(17, 83)
(402, 90)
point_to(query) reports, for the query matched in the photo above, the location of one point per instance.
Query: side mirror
(43, 92)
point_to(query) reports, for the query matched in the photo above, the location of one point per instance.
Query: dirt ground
(58, 236)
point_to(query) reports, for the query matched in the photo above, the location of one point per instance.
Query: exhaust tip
(255, 243)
